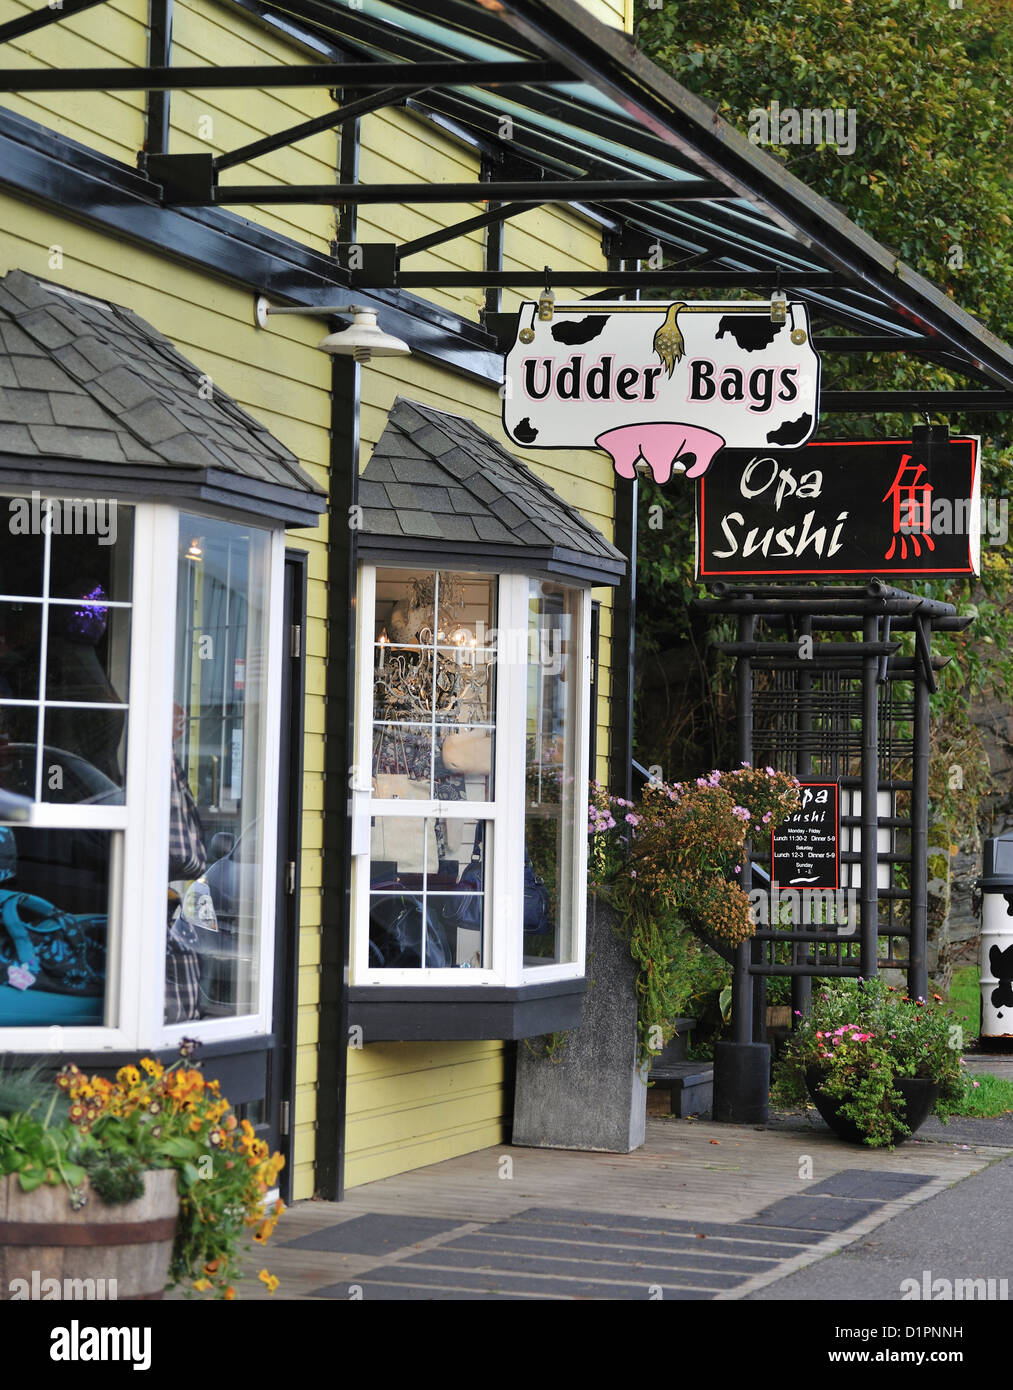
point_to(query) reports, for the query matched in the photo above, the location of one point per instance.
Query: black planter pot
(919, 1094)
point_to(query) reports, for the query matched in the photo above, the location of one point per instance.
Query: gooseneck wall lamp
(361, 339)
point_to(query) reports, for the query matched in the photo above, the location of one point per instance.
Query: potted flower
(158, 1153)
(672, 862)
(874, 1061)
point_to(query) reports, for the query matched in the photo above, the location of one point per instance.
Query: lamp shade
(362, 339)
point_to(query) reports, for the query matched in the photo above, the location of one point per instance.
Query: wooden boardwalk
(688, 1171)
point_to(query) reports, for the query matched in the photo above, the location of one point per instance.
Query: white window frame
(135, 972)
(504, 856)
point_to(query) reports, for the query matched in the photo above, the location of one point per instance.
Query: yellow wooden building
(274, 1039)
(303, 672)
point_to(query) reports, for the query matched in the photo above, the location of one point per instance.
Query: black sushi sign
(842, 508)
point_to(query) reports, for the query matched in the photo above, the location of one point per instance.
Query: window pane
(84, 756)
(549, 828)
(433, 869)
(21, 557)
(216, 832)
(434, 681)
(88, 653)
(54, 903)
(19, 726)
(91, 551)
(20, 648)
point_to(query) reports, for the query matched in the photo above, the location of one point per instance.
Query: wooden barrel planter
(48, 1250)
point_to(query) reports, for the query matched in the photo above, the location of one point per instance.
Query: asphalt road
(961, 1234)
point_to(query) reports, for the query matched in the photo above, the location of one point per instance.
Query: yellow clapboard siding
(205, 34)
(399, 1062)
(418, 1154)
(409, 1125)
(114, 34)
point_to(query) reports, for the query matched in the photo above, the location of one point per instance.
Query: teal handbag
(44, 950)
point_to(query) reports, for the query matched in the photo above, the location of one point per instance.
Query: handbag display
(395, 933)
(48, 951)
(537, 916)
(467, 911)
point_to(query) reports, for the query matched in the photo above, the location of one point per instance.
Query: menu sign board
(805, 849)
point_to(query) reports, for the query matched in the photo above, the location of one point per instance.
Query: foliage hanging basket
(48, 1250)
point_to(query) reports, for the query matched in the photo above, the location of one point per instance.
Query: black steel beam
(39, 19)
(546, 191)
(350, 112)
(156, 129)
(618, 279)
(471, 74)
(471, 224)
(881, 343)
(914, 401)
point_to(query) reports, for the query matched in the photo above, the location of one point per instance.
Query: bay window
(473, 707)
(138, 685)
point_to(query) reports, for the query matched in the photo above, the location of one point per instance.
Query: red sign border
(702, 574)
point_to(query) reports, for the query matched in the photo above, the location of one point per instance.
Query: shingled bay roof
(89, 390)
(436, 482)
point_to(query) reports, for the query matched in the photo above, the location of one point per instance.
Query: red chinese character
(912, 509)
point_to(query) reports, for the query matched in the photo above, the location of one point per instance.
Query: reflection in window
(416, 877)
(65, 619)
(54, 904)
(549, 822)
(216, 833)
(433, 731)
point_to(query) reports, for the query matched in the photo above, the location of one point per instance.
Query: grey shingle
(26, 407)
(15, 439)
(381, 523)
(489, 529)
(77, 409)
(151, 421)
(124, 386)
(38, 373)
(457, 528)
(67, 441)
(405, 497)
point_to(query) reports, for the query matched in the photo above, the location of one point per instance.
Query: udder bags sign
(669, 382)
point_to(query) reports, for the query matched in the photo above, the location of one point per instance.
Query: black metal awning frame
(565, 112)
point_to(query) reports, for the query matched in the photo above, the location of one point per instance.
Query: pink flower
(741, 812)
(631, 819)
(768, 816)
(975, 1083)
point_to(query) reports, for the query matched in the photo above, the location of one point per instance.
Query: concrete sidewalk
(702, 1211)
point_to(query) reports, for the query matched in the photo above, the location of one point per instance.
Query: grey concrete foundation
(594, 1097)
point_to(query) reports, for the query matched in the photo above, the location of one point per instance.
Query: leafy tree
(931, 177)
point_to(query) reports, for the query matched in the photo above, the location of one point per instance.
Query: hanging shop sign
(805, 849)
(865, 508)
(671, 383)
